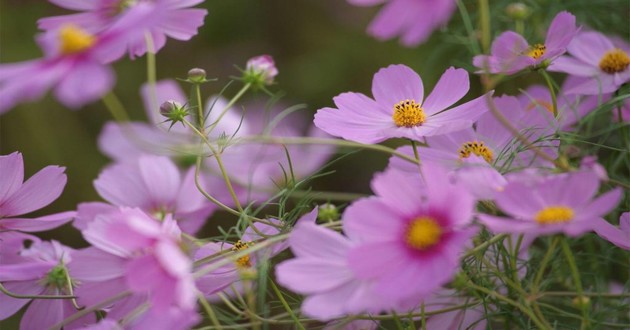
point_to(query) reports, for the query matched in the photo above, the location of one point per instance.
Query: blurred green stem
(115, 107)
(552, 91)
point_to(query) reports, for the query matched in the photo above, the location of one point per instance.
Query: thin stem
(416, 154)
(115, 107)
(90, 309)
(286, 305)
(484, 21)
(576, 278)
(71, 290)
(543, 265)
(229, 105)
(423, 320)
(151, 71)
(206, 306)
(552, 92)
(26, 296)
(200, 116)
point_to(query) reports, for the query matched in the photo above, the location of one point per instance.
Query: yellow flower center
(74, 39)
(554, 214)
(408, 113)
(540, 103)
(614, 61)
(536, 51)
(423, 233)
(243, 262)
(477, 148)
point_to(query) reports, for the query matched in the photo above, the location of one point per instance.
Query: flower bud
(328, 212)
(173, 111)
(197, 75)
(260, 71)
(517, 11)
(581, 302)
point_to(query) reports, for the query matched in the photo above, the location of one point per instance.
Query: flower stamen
(614, 61)
(423, 233)
(244, 261)
(554, 214)
(536, 51)
(475, 147)
(408, 113)
(74, 40)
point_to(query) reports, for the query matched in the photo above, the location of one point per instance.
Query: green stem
(576, 278)
(26, 296)
(90, 309)
(211, 315)
(484, 21)
(286, 306)
(115, 107)
(151, 72)
(229, 105)
(552, 91)
(423, 321)
(543, 265)
(201, 119)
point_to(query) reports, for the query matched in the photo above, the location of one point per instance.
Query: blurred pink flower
(413, 20)
(399, 108)
(600, 64)
(74, 65)
(544, 205)
(261, 69)
(511, 53)
(172, 18)
(619, 236)
(18, 197)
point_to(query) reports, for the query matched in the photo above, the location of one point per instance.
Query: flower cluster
(481, 192)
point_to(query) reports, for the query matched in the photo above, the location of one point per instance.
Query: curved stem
(576, 279)
(286, 305)
(90, 309)
(115, 107)
(229, 105)
(27, 296)
(206, 306)
(552, 92)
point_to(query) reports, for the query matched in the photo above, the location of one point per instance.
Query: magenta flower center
(554, 214)
(408, 113)
(244, 261)
(536, 51)
(477, 148)
(74, 40)
(614, 61)
(423, 233)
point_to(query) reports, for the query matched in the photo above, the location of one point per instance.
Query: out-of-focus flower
(511, 53)
(18, 197)
(226, 275)
(260, 71)
(39, 269)
(75, 62)
(601, 65)
(399, 108)
(619, 236)
(411, 237)
(543, 205)
(171, 18)
(413, 20)
(321, 271)
(153, 184)
(352, 325)
(142, 256)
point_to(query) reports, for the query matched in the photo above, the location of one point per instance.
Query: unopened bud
(328, 212)
(260, 71)
(197, 75)
(581, 302)
(173, 111)
(517, 11)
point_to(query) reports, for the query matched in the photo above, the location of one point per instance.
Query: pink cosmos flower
(411, 238)
(155, 185)
(399, 108)
(601, 65)
(321, 271)
(38, 270)
(261, 69)
(352, 325)
(171, 18)
(74, 64)
(511, 53)
(543, 205)
(133, 252)
(18, 197)
(619, 236)
(412, 20)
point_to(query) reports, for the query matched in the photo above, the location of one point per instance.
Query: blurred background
(320, 47)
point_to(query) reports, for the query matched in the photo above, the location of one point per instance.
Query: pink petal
(183, 24)
(11, 305)
(94, 265)
(396, 83)
(37, 224)
(42, 314)
(161, 178)
(561, 31)
(451, 87)
(78, 5)
(371, 219)
(373, 260)
(12, 169)
(311, 275)
(311, 240)
(590, 47)
(87, 82)
(38, 191)
(573, 66)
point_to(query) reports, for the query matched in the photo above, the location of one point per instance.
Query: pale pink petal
(161, 178)
(311, 240)
(37, 224)
(363, 220)
(397, 83)
(38, 191)
(86, 82)
(451, 87)
(561, 31)
(183, 24)
(590, 47)
(311, 275)
(78, 5)
(373, 260)
(94, 265)
(12, 169)
(11, 305)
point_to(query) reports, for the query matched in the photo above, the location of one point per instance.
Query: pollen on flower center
(541, 103)
(475, 147)
(74, 40)
(244, 261)
(408, 113)
(536, 51)
(614, 61)
(554, 214)
(423, 233)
